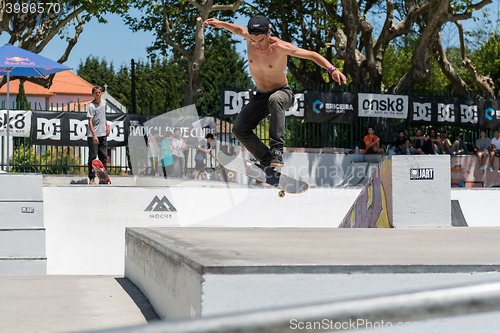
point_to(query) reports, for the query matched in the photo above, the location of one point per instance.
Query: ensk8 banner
(19, 124)
(384, 106)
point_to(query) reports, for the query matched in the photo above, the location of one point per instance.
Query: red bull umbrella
(15, 61)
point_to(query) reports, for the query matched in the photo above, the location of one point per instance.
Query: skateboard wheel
(281, 194)
(230, 174)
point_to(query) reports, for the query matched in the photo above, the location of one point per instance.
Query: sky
(113, 41)
(116, 43)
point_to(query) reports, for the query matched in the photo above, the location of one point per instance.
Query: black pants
(167, 170)
(154, 165)
(97, 150)
(260, 106)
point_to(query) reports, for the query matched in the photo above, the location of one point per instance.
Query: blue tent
(15, 61)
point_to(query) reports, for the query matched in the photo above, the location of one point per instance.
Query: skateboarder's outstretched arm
(234, 28)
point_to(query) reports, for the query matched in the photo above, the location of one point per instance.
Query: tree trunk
(195, 58)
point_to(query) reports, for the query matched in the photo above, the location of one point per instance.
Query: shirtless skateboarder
(267, 59)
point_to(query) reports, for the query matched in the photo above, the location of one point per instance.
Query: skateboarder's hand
(338, 77)
(213, 23)
(95, 139)
(107, 130)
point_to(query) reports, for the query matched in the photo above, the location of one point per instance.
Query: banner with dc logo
(70, 129)
(441, 111)
(234, 99)
(331, 107)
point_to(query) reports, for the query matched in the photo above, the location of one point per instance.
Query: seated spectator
(402, 144)
(437, 147)
(418, 142)
(483, 145)
(428, 146)
(372, 142)
(495, 149)
(446, 145)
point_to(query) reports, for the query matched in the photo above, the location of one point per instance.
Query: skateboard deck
(262, 174)
(101, 172)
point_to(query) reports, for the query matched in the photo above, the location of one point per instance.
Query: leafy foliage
(222, 63)
(487, 59)
(21, 99)
(159, 82)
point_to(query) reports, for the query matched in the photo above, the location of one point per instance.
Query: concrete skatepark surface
(285, 249)
(76, 303)
(49, 304)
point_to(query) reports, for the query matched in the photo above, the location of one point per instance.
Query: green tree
(179, 29)
(21, 99)
(347, 27)
(222, 63)
(97, 72)
(31, 25)
(158, 84)
(487, 59)
(398, 61)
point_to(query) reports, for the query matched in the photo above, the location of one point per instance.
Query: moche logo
(163, 205)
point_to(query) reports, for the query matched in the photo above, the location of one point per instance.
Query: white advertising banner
(386, 106)
(20, 122)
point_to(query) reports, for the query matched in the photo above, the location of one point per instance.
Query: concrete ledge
(23, 266)
(22, 243)
(188, 272)
(21, 186)
(21, 214)
(165, 274)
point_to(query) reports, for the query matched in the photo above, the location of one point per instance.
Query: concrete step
(22, 230)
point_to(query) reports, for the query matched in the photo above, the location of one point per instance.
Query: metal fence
(321, 135)
(72, 160)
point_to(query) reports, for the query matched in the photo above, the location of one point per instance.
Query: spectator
(201, 154)
(418, 142)
(178, 147)
(167, 161)
(98, 131)
(437, 147)
(372, 142)
(483, 145)
(446, 145)
(153, 152)
(495, 149)
(403, 144)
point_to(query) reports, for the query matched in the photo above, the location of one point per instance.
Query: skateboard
(263, 174)
(101, 172)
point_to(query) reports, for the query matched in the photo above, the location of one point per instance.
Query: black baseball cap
(258, 25)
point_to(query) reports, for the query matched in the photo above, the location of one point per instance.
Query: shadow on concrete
(83, 181)
(139, 299)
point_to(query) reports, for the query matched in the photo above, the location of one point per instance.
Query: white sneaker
(492, 168)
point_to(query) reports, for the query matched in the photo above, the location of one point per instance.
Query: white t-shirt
(496, 142)
(177, 143)
(98, 115)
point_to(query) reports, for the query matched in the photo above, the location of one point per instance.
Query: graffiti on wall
(373, 207)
